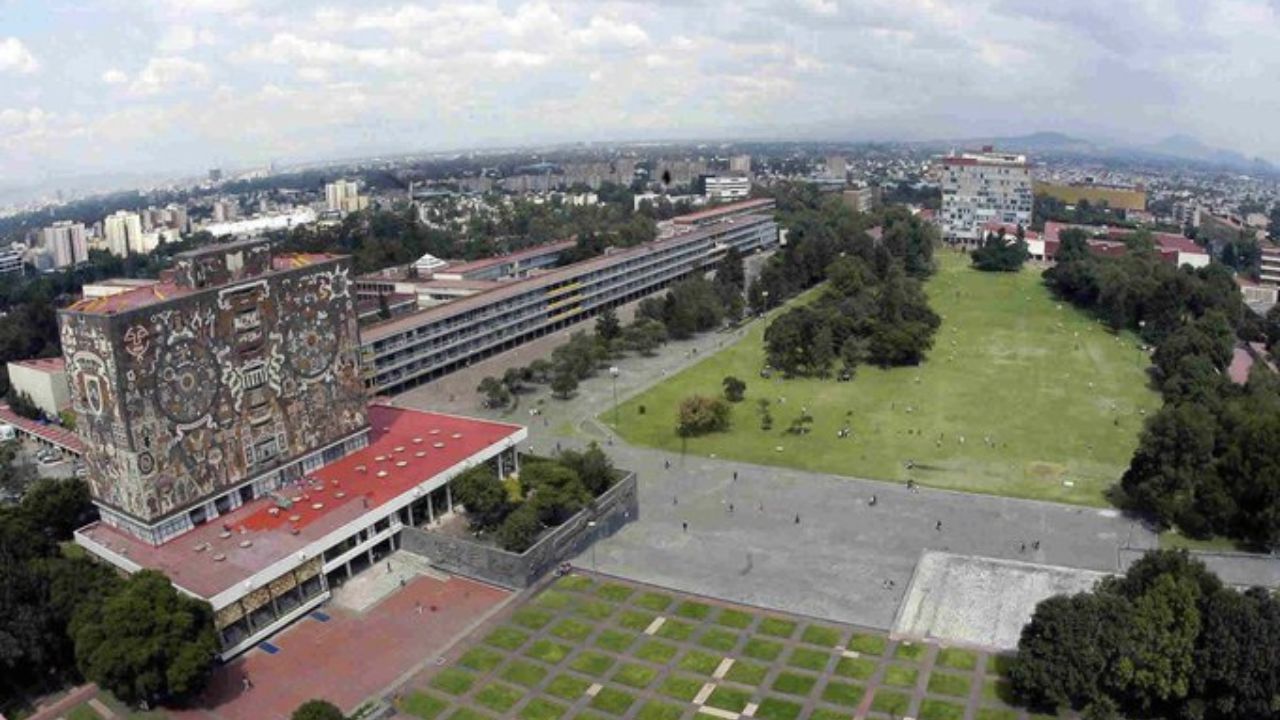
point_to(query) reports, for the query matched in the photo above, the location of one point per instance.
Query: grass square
(422, 705)
(821, 635)
(699, 662)
(900, 676)
(839, 693)
(592, 663)
(614, 702)
(507, 638)
(734, 618)
(613, 592)
(567, 687)
(997, 690)
(524, 673)
(681, 687)
(539, 709)
(636, 676)
(856, 668)
(654, 601)
(576, 583)
(999, 665)
(657, 710)
(693, 610)
(822, 713)
(466, 713)
(675, 630)
(594, 609)
(718, 639)
(83, 712)
(554, 600)
(731, 699)
(987, 713)
(867, 644)
(775, 709)
(794, 683)
(949, 684)
(453, 681)
(887, 701)
(588, 716)
(656, 652)
(957, 659)
(747, 673)
(547, 651)
(572, 630)
(532, 618)
(481, 659)
(762, 649)
(815, 660)
(498, 697)
(909, 651)
(615, 640)
(777, 627)
(933, 709)
(634, 620)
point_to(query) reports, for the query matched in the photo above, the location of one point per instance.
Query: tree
(146, 641)
(731, 270)
(607, 325)
(22, 405)
(1066, 651)
(1000, 253)
(699, 415)
(58, 506)
(496, 394)
(482, 493)
(645, 336)
(593, 467)
(513, 379)
(734, 389)
(766, 418)
(520, 530)
(384, 309)
(554, 490)
(564, 384)
(317, 710)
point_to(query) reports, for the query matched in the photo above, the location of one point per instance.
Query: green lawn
(1059, 398)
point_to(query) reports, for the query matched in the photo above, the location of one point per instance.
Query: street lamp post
(592, 524)
(613, 372)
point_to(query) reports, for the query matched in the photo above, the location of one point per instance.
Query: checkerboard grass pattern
(590, 648)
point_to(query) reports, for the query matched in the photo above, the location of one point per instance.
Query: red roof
(56, 434)
(407, 448)
(48, 365)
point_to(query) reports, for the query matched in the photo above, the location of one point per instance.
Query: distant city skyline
(175, 86)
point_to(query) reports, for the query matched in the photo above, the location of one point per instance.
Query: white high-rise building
(982, 188)
(740, 164)
(344, 196)
(11, 259)
(65, 241)
(124, 233)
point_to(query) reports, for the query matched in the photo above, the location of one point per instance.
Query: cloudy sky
(180, 85)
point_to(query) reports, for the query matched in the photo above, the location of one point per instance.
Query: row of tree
(1001, 253)
(1203, 463)
(65, 617)
(1167, 639)
(550, 492)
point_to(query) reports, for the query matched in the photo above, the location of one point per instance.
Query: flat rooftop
(407, 448)
(48, 365)
(168, 289)
(463, 268)
(717, 211)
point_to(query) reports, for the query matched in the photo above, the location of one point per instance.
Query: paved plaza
(599, 648)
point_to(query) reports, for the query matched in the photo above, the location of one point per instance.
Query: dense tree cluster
(699, 415)
(1000, 253)
(1204, 462)
(1167, 639)
(550, 492)
(317, 710)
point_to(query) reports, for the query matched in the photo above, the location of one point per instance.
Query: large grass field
(1021, 396)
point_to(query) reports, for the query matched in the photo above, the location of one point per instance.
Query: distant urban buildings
(982, 188)
(861, 199)
(11, 261)
(123, 233)
(740, 164)
(728, 187)
(343, 196)
(65, 241)
(837, 166)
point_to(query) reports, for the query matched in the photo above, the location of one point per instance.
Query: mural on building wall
(179, 400)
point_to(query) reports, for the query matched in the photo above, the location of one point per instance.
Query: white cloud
(162, 74)
(115, 76)
(607, 34)
(16, 58)
(183, 38)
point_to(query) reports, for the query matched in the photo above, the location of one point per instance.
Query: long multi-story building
(728, 187)
(417, 348)
(982, 188)
(11, 260)
(229, 442)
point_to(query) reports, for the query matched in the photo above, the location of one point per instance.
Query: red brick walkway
(349, 658)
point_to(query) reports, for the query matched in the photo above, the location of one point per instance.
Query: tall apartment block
(982, 188)
(229, 442)
(416, 348)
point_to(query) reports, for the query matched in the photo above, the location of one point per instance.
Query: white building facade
(982, 188)
(728, 187)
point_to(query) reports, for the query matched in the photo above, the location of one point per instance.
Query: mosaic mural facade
(252, 364)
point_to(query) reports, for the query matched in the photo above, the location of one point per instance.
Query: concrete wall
(463, 556)
(48, 389)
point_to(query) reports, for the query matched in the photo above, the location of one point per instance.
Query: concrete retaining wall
(618, 506)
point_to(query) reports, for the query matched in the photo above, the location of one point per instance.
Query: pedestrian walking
(1023, 549)
(684, 526)
(1035, 545)
(873, 501)
(388, 567)
(675, 500)
(666, 464)
(797, 518)
(735, 475)
(246, 682)
(938, 527)
(417, 606)
(730, 508)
